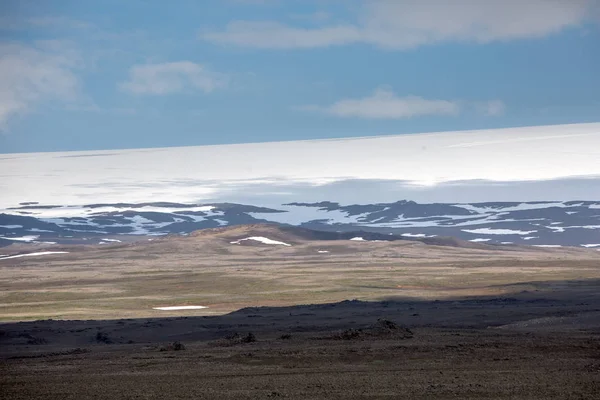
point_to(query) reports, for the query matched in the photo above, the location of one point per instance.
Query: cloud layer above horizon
(406, 24)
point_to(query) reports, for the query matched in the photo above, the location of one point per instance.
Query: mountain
(548, 223)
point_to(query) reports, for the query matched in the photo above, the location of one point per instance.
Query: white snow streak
(261, 239)
(39, 253)
(490, 231)
(177, 308)
(27, 238)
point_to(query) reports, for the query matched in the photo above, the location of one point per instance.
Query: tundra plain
(320, 318)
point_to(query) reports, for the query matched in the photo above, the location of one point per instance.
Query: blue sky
(82, 75)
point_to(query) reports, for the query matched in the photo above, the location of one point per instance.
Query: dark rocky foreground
(527, 346)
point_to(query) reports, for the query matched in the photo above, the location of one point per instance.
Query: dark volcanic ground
(527, 346)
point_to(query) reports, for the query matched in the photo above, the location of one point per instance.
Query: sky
(83, 75)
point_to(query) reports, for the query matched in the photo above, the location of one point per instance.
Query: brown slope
(297, 235)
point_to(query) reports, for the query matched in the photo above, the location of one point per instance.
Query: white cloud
(33, 74)
(273, 35)
(384, 104)
(171, 77)
(404, 24)
(491, 108)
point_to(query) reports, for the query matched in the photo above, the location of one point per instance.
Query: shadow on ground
(567, 306)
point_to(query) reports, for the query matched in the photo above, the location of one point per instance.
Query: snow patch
(586, 227)
(491, 231)
(261, 239)
(296, 215)
(414, 235)
(177, 308)
(39, 230)
(26, 238)
(39, 253)
(517, 207)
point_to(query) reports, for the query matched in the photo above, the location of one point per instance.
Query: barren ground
(486, 322)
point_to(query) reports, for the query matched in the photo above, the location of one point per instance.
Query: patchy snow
(178, 308)
(415, 235)
(530, 237)
(492, 219)
(479, 240)
(26, 238)
(11, 226)
(39, 253)
(295, 215)
(74, 211)
(591, 245)
(562, 229)
(138, 224)
(196, 218)
(138, 219)
(518, 207)
(358, 239)
(491, 231)
(111, 240)
(446, 221)
(377, 220)
(322, 251)
(261, 239)
(506, 242)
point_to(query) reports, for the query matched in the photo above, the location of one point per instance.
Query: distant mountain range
(569, 223)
